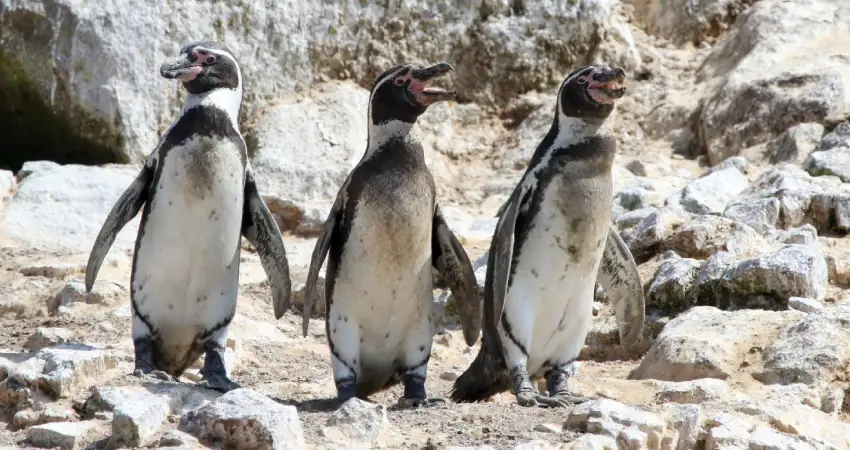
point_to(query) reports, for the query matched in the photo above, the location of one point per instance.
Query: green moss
(219, 29)
(33, 130)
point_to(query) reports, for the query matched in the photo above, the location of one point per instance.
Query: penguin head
(402, 92)
(204, 66)
(589, 92)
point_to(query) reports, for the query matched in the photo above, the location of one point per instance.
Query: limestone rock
(803, 85)
(61, 208)
(75, 292)
(179, 439)
(244, 419)
(707, 234)
(696, 391)
(647, 235)
(318, 302)
(670, 289)
(795, 144)
(62, 435)
(305, 147)
(356, 424)
(760, 214)
(608, 417)
(47, 337)
(594, 442)
(711, 193)
(807, 305)
(811, 351)
(127, 103)
(735, 162)
(835, 138)
(138, 417)
(56, 270)
(7, 182)
(688, 22)
(534, 445)
(41, 414)
(58, 372)
(706, 342)
(835, 161)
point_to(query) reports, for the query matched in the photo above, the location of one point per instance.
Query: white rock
(802, 85)
(812, 351)
(56, 270)
(7, 182)
(697, 391)
(671, 285)
(75, 292)
(760, 214)
(137, 416)
(737, 162)
(686, 420)
(177, 438)
(645, 237)
(534, 445)
(244, 419)
(690, 22)
(609, 417)
(631, 438)
(795, 144)
(708, 234)
(356, 424)
(594, 442)
(835, 161)
(64, 435)
(807, 305)
(61, 208)
(711, 193)
(766, 438)
(726, 431)
(305, 148)
(47, 337)
(40, 414)
(706, 342)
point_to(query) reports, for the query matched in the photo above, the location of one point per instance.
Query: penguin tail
(484, 378)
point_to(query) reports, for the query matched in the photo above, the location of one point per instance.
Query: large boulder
(61, 208)
(87, 61)
(766, 76)
(689, 21)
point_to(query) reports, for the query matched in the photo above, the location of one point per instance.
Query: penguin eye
(399, 81)
(210, 59)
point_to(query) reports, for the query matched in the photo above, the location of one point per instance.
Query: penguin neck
(227, 100)
(381, 133)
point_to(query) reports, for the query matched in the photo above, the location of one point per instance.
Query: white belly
(549, 303)
(187, 264)
(384, 282)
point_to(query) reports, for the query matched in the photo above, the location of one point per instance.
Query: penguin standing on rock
(384, 234)
(553, 239)
(199, 195)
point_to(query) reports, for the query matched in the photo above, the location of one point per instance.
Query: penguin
(384, 234)
(199, 196)
(553, 241)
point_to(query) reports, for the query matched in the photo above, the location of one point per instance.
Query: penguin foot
(572, 399)
(218, 383)
(153, 375)
(419, 402)
(534, 399)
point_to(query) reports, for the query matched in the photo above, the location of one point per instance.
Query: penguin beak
(609, 82)
(427, 95)
(181, 68)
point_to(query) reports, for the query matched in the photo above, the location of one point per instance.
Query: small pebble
(448, 376)
(548, 428)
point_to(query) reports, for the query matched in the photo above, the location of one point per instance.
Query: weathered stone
(534, 445)
(670, 289)
(356, 423)
(636, 167)
(629, 219)
(75, 292)
(711, 193)
(138, 416)
(38, 415)
(61, 208)
(696, 391)
(691, 22)
(594, 442)
(735, 162)
(726, 431)
(838, 136)
(64, 435)
(706, 342)
(54, 270)
(759, 214)
(177, 438)
(764, 281)
(631, 438)
(318, 302)
(47, 337)
(835, 161)
(706, 235)
(244, 419)
(686, 422)
(7, 182)
(132, 104)
(305, 147)
(812, 351)
(646, 236)
(766, 438)
(608, 417)
(802, 85)
(806, 305)
(795, 144)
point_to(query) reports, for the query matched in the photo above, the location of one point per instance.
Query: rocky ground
(731, 190)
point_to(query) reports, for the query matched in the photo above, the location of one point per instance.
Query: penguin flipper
(320, 251)
(261, 230)
(452, 262)
(501, 251)
(124, 210)
(619, 277)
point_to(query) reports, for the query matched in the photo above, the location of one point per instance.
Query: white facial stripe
(381, 83)
(228, 100)
(222, 53)
(379, 134)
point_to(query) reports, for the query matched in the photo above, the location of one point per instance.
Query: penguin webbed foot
(217, 382)
(346, 389)
(558, 386)
(419, 402)
(531, 398)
